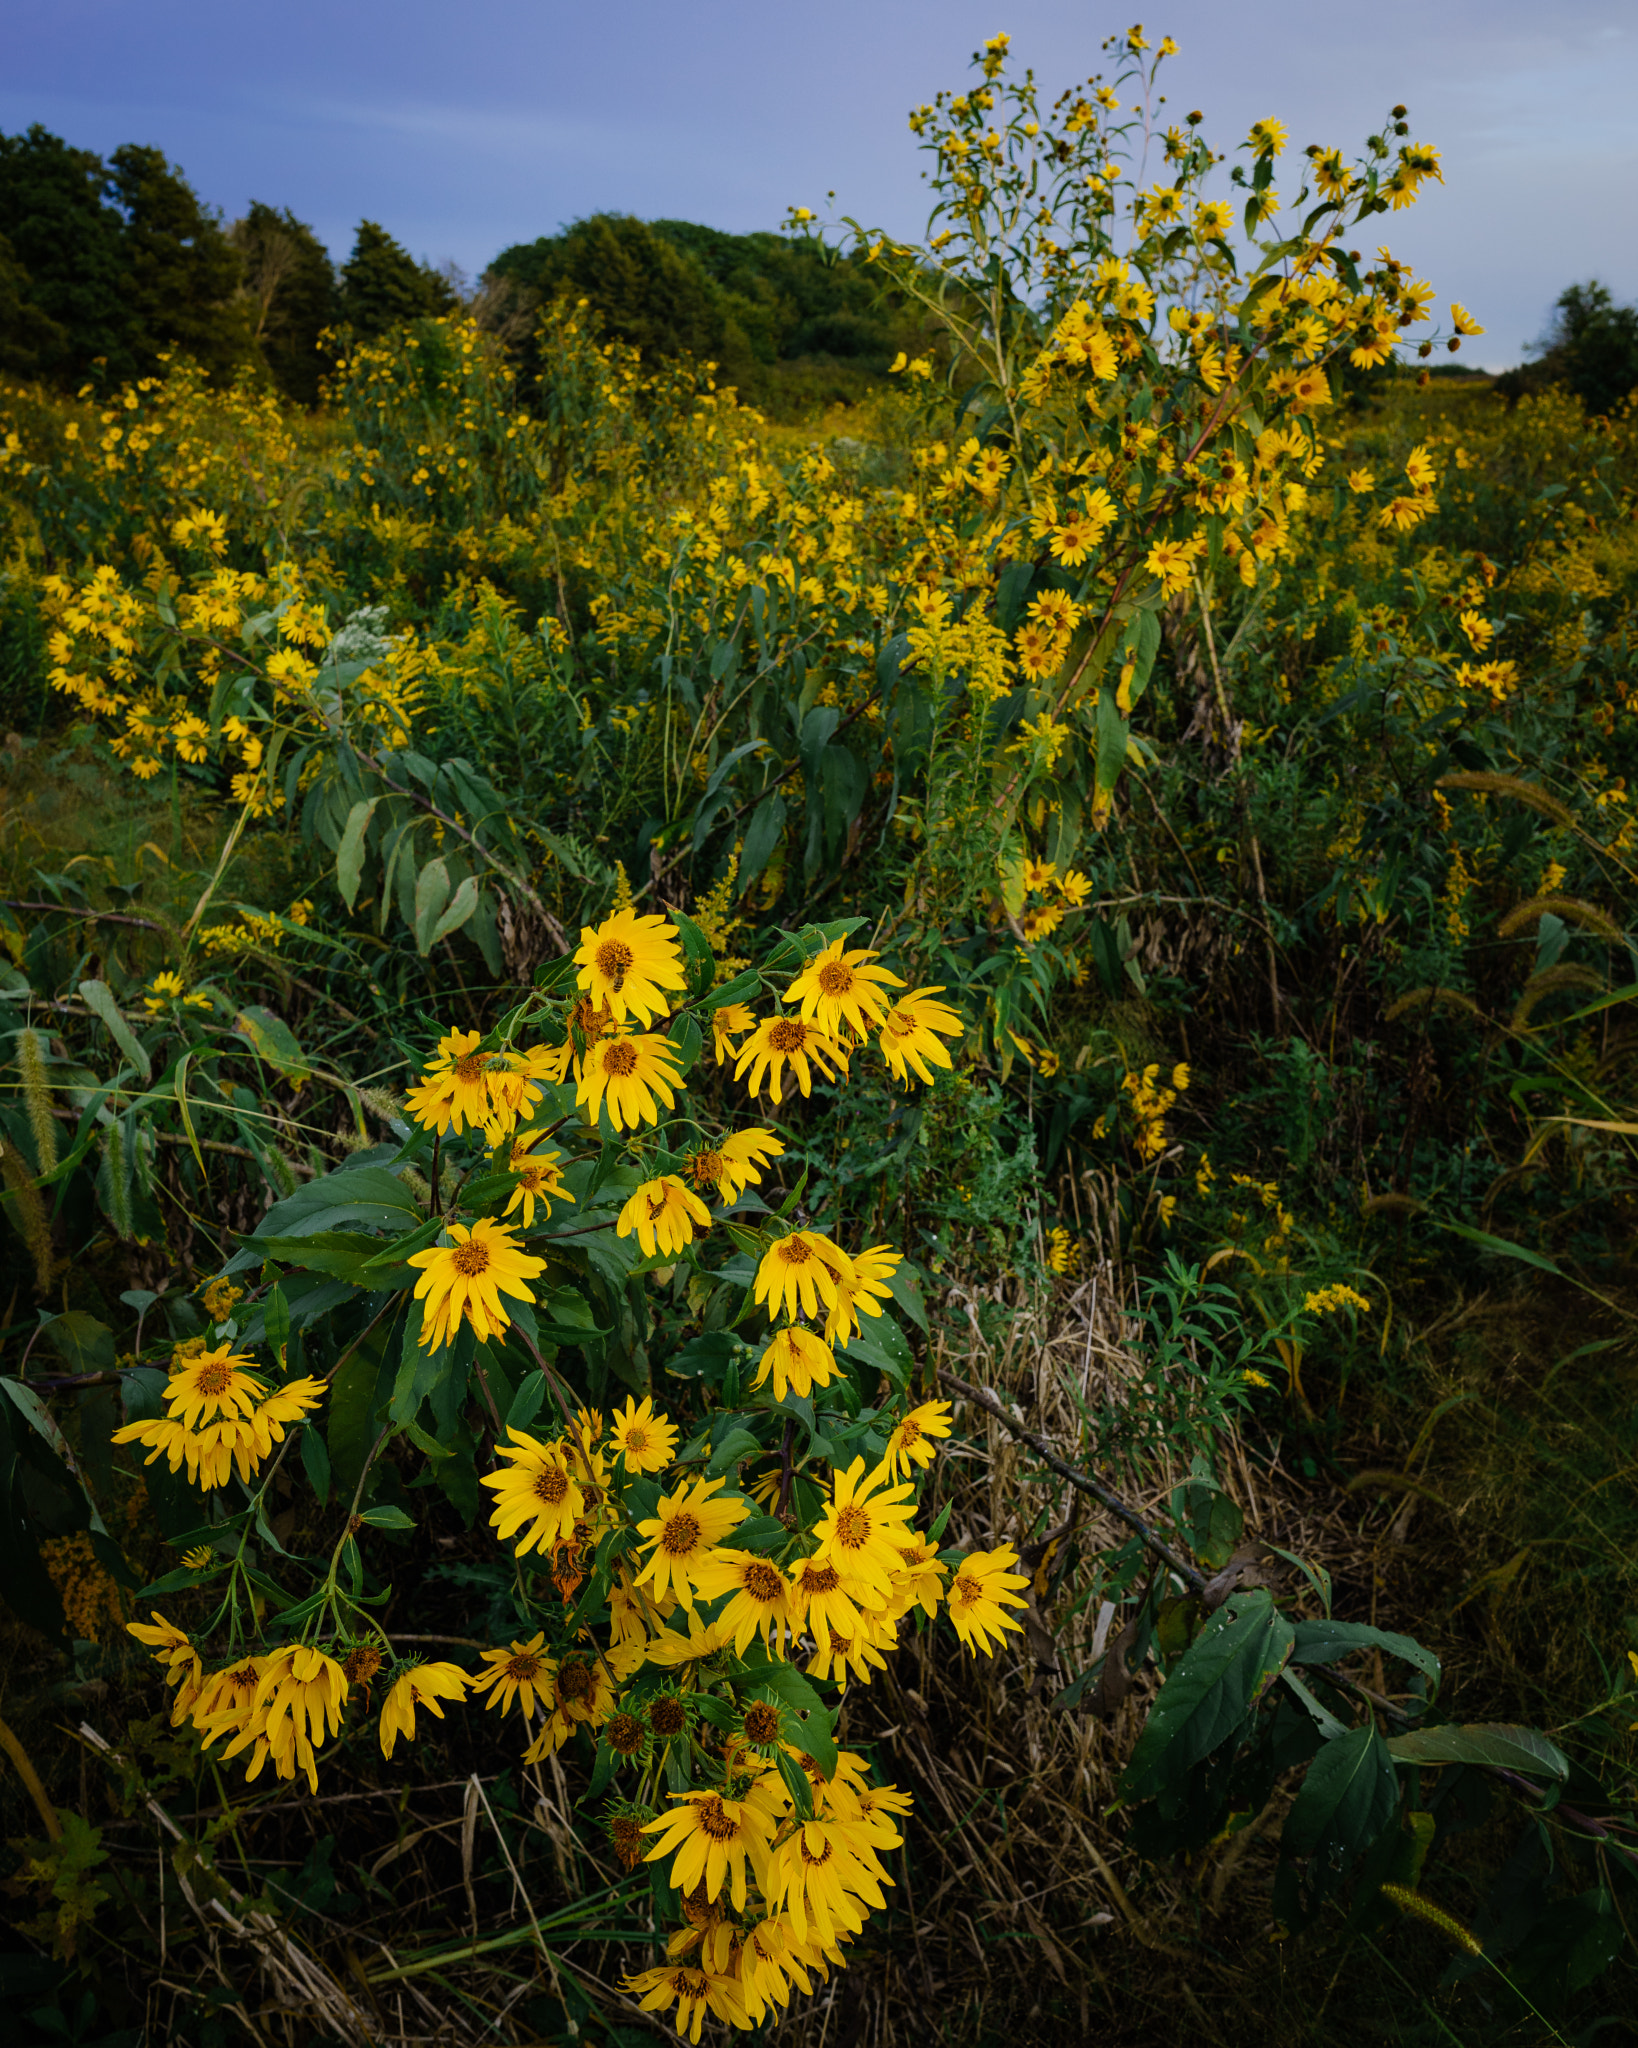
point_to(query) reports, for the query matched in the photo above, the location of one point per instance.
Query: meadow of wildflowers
(823, 1224)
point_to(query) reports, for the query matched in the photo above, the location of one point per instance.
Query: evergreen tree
(181, 273)
(382, 285)
(28, 337)
(289, 289)
(67, 241)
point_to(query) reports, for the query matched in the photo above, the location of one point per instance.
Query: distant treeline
(106, 263)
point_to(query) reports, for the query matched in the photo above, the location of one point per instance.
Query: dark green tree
(382, 285)
(649, 293)
(289, 288)
(67, 240)
(180, 273)
(28, 337)
(1591, 348)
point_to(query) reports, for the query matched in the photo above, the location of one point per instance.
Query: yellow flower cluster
(220, 1417)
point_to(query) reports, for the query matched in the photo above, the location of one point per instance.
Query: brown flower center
(789, 1034)
(626, 1831)
(619, 1059)
(472, 1257)
(215, 1378)
(761, 1723)
(821, 1578)
(637, 1438)
(551, 1485)
(362, 1664)
(576, 1680)
(614, 961)
(713, 1819)
(690, 1984)
(853, 1527)
(667, 1716)
(470, 1070)
(705, 1167)
(762, 1582)
(901, 1025)
(909, 1431)
(680, 1535)
(793, 1251)
(524, 1668)
(815, 1862)
(625, 1733)
(835, 979)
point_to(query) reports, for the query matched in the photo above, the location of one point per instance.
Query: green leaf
(360, 1194)
(685, 1036)
(742, 989)
(1348, 1797)
(386, 1518)
(274, 1041)
(350, 854)
(345, 1253)
(98, 996)
(316, 1462)
(1493, 1743)
(1210, 1693)
(81, 1342)
(431, 895)
(461, 908)
(1328, 1642)
(737, 1444)
(1486, 1242)
(700, 960)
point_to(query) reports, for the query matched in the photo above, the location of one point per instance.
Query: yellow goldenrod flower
(542, 1490)
(464, 1281)
(984, 1587)
(642, 1436)
(913, 1442)
(839, 987)
(663, 1215)
(630, 964)
(625, 1074)
(418, 1685)
(685, 1526)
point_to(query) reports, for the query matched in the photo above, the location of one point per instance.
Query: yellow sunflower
(540, 1491)
(865, 1286)
(713, 1839)
(800, 1272)
(684, 1527)
(299, 1698)
(418, 1685)
(454, 1087)
(840, 988)
(914, 1441)
(522, 1672)
(212, 1384)
(778, 1040)
(664, 1215)
(827, 1594)
(694, 1992)
(865, 1523)
(629, 963)
(464, 1281)
(911, 1035)
(643, 1437)
(626, 1073)
(734, 1163)
(798, 1362)
(728, 1025)
(540, 1177)
(761, 1602)
(984, 1587)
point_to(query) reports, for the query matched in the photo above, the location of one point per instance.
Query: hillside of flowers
(821, 1226)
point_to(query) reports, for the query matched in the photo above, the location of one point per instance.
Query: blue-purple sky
(464, 125)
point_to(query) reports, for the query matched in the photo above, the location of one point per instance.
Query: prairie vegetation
(823, 1222)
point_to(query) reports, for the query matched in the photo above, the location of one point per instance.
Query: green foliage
(1591, 348)
(382, 286)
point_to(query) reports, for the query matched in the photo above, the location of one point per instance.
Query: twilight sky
(465, 127)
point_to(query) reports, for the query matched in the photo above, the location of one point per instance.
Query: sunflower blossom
(630, 964)
(663, 1215)
(683, 1528)
(630, 1075)
(642, 1436)
(418, 1685)
(464, 1281)
(778, 1041)
(799, 1272)
(912, 1033)
(734, 1163)
(540, 1493)
(713, 1839)
(838, 988)
(984, 1587)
